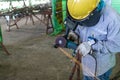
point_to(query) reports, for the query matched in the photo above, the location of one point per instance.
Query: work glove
(85, 47)
(72, 36)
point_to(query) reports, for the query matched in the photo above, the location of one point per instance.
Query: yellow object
(80, 9)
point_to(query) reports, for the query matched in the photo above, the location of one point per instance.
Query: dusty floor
(33, 56)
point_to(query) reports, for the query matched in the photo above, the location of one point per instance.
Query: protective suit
(107, 32)
(100, 40)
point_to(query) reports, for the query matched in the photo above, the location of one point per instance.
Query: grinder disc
(60, 41)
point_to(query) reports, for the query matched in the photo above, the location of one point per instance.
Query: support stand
(14, 23)
(29, 14)
(76, 67)
(1, 44)
(11, 22)
(4, 48)
(49, 21)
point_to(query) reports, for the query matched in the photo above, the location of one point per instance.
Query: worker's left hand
(85, 47)
(72, 36)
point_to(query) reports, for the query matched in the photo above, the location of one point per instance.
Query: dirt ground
(33, 56)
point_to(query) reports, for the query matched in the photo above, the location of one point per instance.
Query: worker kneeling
(99, 32)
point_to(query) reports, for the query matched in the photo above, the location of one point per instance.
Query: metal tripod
(4, 48)
(76, 67)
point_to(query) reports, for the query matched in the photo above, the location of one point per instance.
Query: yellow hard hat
(80, 9)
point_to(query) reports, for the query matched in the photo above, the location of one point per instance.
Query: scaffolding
(58, 15)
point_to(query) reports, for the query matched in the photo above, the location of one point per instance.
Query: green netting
(64, 9)
(1, 40)
(116, 5)
(58, 15)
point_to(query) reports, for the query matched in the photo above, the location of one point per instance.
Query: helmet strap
(100, 5)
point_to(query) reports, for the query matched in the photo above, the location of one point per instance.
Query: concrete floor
(33, 56)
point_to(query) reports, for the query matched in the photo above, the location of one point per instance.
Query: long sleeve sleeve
(112, 43)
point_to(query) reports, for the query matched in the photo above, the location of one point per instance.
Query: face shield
(90, 20)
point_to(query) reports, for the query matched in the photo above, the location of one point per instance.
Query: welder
(99, 34)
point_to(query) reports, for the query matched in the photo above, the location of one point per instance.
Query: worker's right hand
(85, 47)
(72, 36)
